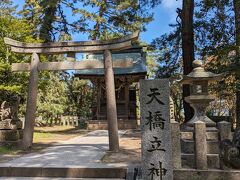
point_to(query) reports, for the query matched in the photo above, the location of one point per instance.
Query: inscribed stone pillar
(111, 103)
(31, 103)
(156, 131)
(224, 128)
(176, 148)
(200, 145)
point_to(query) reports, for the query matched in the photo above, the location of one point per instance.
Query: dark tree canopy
(99, 19)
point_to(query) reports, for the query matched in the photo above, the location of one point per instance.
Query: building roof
(139, 64)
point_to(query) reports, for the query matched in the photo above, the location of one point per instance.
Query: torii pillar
(31, 103)
(111, 103)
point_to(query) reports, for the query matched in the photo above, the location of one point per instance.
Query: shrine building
(126, 87)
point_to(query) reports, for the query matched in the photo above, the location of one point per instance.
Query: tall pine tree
(237, 59)
(187, 50)
(99, 19)
(105, 19)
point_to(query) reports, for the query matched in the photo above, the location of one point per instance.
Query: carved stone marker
(10, 124)
(156, 133)
(8, 116)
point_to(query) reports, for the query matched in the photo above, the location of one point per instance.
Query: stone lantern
(199, 98)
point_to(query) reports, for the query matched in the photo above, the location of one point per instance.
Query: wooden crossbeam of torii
(69, 47)
(77, 65)
(106, 47)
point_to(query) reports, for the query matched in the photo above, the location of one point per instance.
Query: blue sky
(164, 14)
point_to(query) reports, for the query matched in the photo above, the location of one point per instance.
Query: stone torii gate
(70, 48)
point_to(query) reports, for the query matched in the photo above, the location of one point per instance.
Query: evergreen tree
(52, 98)
(112, 18)
(7, 8)
(214, 28)
(49, 10)
(32, 12)
(99, 19)
(177, 48)
(215, 41)
(237, 60)
(187, 50)
(11, 83)
(214, 35)
(79, 95)
(167, 50)
(168, 53)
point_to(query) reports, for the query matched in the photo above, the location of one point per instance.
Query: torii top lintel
(67, 47)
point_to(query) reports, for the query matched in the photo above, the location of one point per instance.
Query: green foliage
(151, 64)
(32, 13)
(7, 8)
(215, 42)
(80, 97)
(112, 17)
(12, 83)
(49, 10)
(99, 19)
(60, 94)
(167, 51)
(52, 98)
(214, 27)
(8, 149)
(214, 35)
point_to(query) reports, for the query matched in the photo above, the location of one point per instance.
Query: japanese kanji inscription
(155, 126)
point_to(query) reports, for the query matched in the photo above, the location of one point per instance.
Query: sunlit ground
(45, 137)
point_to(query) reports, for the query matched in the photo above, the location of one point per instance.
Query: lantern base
(199, 104)
(210, 125)
(205, 119)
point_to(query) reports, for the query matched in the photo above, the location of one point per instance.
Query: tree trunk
(97, 27)
(188, 50)
(237, 63)
(48, 19)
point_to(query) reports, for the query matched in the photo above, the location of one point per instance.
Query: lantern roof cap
(199, 74)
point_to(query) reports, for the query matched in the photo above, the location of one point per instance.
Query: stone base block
(210, 174)
(189, 135)
(62, 172)
(190, 128)
(103, 124)
(188, 161)
(10, 124)
(187, 146)
(10, 135)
